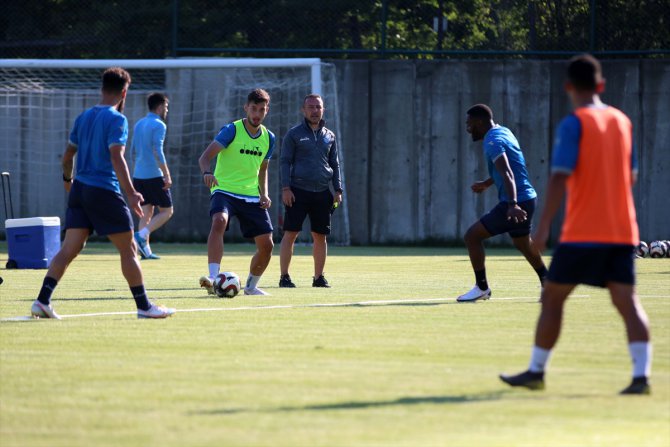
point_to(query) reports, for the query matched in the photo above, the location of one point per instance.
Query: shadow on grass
(358, 405)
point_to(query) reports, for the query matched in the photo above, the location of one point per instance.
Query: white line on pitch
(280, 306)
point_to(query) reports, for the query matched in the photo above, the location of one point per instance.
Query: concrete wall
(408, 161)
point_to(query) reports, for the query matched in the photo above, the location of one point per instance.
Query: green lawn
(406, 366)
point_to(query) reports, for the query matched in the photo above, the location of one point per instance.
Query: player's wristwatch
(512, 202)
(65, 179)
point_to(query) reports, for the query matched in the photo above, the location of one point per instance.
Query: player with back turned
(152, 176)
(594, 163)
(98, 141)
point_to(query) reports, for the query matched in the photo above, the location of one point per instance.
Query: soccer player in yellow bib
(239, 187)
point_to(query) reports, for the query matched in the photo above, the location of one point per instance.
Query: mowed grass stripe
(408, 372)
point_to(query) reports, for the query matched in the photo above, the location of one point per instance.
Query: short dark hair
(115, 79)
(480, 111)
(312, 96)
(584, 72)
(154, 100)
(258, 95)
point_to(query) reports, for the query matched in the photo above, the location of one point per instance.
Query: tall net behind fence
(38, 107)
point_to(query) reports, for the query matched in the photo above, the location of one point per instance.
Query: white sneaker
(475, 294)
(155, 312)
(254, 291)
(207, 283)
(39, 310)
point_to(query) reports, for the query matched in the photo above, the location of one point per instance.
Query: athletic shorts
(98, 209)
(254, 220)
(316, 205)
(593, 264)
(495, 221)
(153, 192)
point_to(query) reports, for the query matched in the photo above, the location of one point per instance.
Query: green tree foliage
(135, 29)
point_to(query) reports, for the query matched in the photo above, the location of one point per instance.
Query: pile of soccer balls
(227, 285)
(656, 249)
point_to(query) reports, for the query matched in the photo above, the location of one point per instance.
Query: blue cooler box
(33, 242)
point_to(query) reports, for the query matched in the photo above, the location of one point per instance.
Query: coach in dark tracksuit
(309, 163)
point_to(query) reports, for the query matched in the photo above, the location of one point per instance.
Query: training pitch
(384, 357)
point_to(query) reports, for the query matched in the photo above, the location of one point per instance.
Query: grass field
(398, 362)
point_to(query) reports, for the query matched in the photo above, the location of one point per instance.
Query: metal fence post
(385, 7)
(592, 33)
(175, 26)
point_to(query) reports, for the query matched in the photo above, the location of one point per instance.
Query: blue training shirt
(227, 134)
(147, 147)
(566, 146)
(500, 140)
(94, 132)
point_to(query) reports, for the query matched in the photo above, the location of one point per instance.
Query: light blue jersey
(94, 132)
(147, 147)
(500, 140)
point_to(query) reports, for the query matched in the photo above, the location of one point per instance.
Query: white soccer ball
(642, 250)
(657, 249)
(227, 285)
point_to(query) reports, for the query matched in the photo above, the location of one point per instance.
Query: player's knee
(219, 224)
(265, 246)
(470, 236)
(290, 236)
(318, 237)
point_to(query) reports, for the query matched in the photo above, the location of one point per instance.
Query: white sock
(538, 359)
(144, 232)
(252, 281)
(214, 269)
(147, 248)
(640, 353)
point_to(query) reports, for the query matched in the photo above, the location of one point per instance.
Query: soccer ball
(657, 249)
(227, 284)
(642, 250)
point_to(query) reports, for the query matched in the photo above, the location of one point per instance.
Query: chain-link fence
(332, 29)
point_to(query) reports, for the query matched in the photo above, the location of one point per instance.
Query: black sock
(542, 273)
(480, 278)
(47, 289)
(140, 296)
(640, 380)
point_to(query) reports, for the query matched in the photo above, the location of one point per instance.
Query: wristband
(206, 173)
(512, 202)
(65, 179)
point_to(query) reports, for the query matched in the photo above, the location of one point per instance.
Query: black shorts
(153, 192)
(254, 220)
(593, 264)
(98, 209)
(316, 205)
(495, 221)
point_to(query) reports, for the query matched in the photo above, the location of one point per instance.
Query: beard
(255, 122)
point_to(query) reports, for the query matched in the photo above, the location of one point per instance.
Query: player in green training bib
(239, 187)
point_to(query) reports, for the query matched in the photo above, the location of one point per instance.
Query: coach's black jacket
(309, 159)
